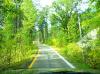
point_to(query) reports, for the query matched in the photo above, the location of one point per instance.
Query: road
(48, 58)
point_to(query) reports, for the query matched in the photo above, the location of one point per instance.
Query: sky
(43, 3)
(84, 5)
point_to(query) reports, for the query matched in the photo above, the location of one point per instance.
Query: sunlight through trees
(72, 26)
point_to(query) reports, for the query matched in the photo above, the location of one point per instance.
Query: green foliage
(74, 52)
(94, 58)
(93, 55)
(18, 32)
(73, 29)
(91, 23)
(17, 35)
(65, 31)
(29, 14)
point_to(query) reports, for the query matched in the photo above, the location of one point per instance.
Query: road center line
(35, 58)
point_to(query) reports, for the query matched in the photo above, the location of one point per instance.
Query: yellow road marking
(34, 60)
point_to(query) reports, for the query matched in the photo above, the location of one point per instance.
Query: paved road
(50, 59)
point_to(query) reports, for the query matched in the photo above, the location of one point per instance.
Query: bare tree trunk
(80, 30)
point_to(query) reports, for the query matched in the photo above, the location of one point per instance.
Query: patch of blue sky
(84, 5)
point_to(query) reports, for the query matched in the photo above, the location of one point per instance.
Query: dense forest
(72, 27)
(16, 31)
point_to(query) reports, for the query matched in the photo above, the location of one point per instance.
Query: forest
(72, 27)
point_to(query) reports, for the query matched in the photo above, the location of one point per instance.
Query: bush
(74, 52)
(59, 40)
(94, 58)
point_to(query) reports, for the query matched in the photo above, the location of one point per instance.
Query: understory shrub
(94, 58)
(73, 51)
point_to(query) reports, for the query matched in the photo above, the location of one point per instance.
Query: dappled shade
(71, 27)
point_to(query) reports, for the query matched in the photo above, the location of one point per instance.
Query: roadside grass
(22, 64)
(19, 71)
(73, 54)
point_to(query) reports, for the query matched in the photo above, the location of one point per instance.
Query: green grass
(72, 53)
(19, 71)
(23, 63)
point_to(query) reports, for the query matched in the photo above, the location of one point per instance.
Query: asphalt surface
(49, 59)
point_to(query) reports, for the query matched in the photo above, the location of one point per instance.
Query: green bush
(59, 40)
(73, 51)
(94, 58)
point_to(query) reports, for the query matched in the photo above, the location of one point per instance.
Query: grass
(23, 64)
(19, 71)
(78, 64)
